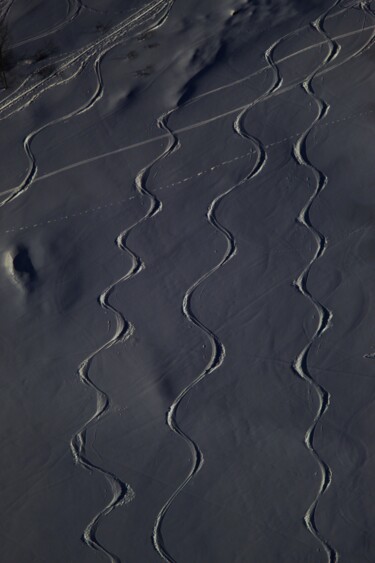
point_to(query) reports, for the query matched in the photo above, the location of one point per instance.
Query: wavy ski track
(16, 101)
(217, 347)
(125, 329)
(122, 493)
(300, 364)
(218, 352)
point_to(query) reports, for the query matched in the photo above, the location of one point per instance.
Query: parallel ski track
(122, 493)
(29, 90)
(218, 352)
(300, 364)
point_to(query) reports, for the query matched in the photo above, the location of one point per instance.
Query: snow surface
(187, 266)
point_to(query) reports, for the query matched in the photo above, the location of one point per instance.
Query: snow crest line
(122, 493)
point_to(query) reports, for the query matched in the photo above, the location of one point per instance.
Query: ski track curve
(300, 364)
(30, 89)
(218, 352)
(122, 493)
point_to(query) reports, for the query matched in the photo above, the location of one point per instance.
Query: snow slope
(187, 221)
